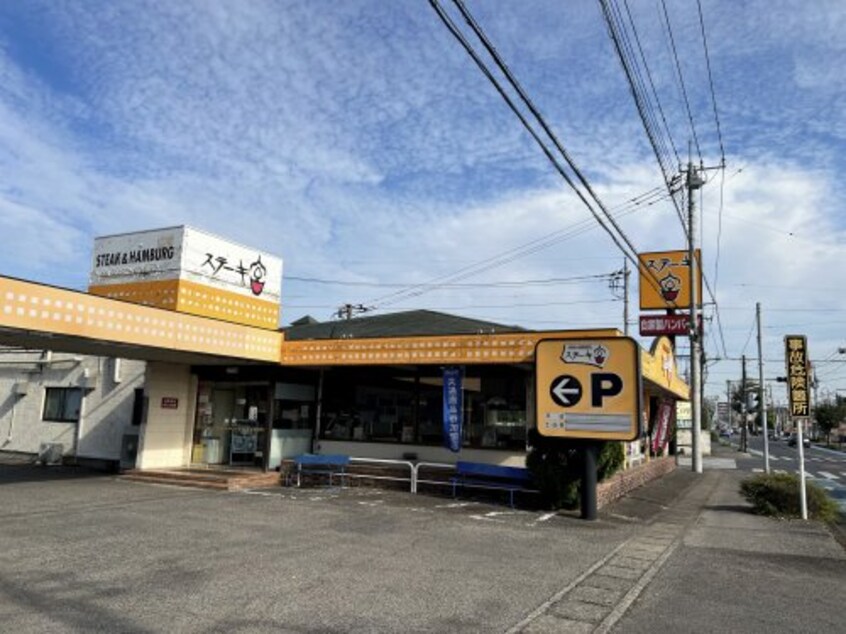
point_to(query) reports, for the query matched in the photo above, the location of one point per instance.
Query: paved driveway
(95, 553)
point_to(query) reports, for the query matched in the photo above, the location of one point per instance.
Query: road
(826, 467)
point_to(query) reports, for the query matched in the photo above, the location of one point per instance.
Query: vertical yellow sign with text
(798, 377)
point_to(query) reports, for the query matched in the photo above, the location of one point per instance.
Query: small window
(138, 406)
(62, 404)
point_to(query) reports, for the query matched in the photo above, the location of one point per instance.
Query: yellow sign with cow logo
(665, 279)
(588, 388)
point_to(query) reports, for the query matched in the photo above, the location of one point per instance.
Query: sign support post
(803, 498)
(589, 391)
(798, 388)
(589, 478)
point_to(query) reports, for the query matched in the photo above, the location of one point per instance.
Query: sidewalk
(735, 571)
(702, 562)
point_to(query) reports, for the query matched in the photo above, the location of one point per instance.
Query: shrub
(777, 494)
(556, 465)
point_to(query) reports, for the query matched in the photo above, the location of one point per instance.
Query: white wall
(166, 436)
(106, 407)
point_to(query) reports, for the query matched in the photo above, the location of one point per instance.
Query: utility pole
(728, 403)
(762, 405)
(694, 182)
(626, 273)
(745, 426)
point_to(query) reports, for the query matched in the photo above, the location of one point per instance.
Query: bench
(329, 464)
(487, 476)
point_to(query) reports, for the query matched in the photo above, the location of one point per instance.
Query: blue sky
(357, 141)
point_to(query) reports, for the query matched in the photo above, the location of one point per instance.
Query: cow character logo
(670, 287)
(257, 274)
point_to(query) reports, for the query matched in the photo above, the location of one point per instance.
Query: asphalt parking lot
(87, 552)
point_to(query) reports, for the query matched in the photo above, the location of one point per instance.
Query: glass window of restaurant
(405, 406)
(231, 423)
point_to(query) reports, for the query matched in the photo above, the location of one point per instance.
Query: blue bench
(329, 464)
(487, 476)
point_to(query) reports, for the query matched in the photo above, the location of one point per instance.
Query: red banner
(678, 324)
(663, 420)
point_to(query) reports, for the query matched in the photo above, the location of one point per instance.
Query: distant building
(60, 405)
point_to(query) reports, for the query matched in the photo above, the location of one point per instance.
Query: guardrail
(416, 474)
(412, 478)
(413, 467)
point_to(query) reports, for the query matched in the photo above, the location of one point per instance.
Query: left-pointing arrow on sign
(566, 390)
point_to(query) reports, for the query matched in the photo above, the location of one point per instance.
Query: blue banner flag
(453, 408)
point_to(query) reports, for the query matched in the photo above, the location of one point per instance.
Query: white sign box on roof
(185, 253)
(190, 271)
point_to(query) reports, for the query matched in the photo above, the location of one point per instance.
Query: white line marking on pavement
(828, 475)
(454, 505)
(757, 470)
(546, 516)
(780, 471)
(485, 518)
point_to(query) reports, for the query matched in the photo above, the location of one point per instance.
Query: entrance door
(215, 437)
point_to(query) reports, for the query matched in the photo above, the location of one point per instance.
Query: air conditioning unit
(50, 453)
(21, 389)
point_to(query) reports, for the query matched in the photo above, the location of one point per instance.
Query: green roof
(413, 323)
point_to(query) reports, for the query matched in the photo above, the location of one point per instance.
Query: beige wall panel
(165, 439)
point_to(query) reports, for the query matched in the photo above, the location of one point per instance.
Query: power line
(619, 37)
(485, 306)
(711, 83)
(459, 36)
(509, 284)
(616, 31)
(681, 79)
(748, 337)
(632, 256)
(529, 248)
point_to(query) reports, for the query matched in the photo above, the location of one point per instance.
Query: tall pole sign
(588, 389)
(798, 390)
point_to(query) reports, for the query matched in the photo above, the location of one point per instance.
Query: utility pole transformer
(694, 182)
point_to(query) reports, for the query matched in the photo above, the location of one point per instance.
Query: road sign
(588, 388)
(798, 379)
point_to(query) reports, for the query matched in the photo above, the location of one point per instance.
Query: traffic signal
(753, 402)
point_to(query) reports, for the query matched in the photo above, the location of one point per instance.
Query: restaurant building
(224, 387)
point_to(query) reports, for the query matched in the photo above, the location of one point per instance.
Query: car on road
(806, 442)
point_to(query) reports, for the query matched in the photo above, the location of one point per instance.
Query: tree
(709, 410)
(829, 414)
(738, 397)
(556, 465)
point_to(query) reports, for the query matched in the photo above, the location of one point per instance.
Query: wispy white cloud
(359, 142)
